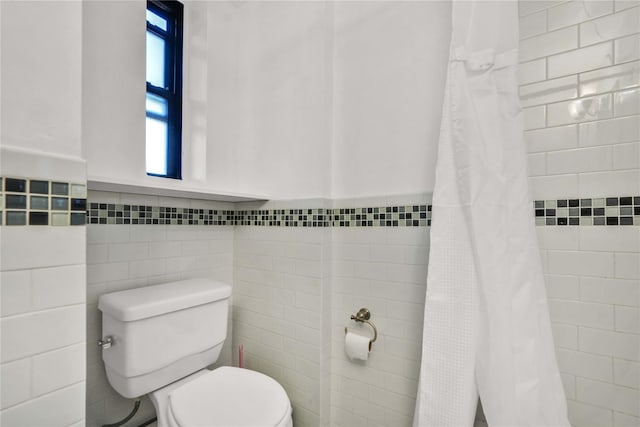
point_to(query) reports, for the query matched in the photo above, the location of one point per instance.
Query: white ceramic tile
(569, 385)
(625, 420)
(127, 251)
(29, 334)
(615, 131)
(626, 102)
(610, 79)
(580, 60)
(610, 27)
(584, 109)
(532, 71)
(610, 291)
(550, 139)
(627, 49)
(107, 234)
(549, 91)
(15, 292)
(108, 272)
(626, 373)
(574, 12)
(599, 264)
(15, 382)
(627, 265)
(584, 415)
(526, 7)
(54, 287)
(533, 24)
(608, 183)
(43, 246)
(618, 398)
(549, 44)
(582, 313)
(534, 117)
(537, 164)
(562, 287)
(609, 343)
(626, 156)
(627, 319)
(57, 369)
(580, 160)
(612, 239)
(565, 238)
(555, 186)
(585, 365)
(565, 335)
(63, 407)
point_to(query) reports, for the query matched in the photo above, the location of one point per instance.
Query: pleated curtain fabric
(486, 328)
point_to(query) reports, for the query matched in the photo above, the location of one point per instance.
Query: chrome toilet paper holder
(363, 315)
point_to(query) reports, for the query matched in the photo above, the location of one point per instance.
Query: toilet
(158, 340)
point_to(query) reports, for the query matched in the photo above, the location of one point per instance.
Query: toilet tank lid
(149, 301)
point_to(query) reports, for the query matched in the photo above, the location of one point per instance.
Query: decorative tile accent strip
(25, 201)
(623, 210)
(387, 216)
(104, 213)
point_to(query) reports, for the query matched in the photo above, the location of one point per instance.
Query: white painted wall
(390, 65)
(41, 45)
(269, 94)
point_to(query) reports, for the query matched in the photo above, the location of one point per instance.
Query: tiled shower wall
(43, 290)
(123, 256)
(580, 86)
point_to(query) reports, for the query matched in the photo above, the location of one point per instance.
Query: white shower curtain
(486, 327)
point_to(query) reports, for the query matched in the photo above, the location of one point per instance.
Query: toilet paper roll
(356, 346)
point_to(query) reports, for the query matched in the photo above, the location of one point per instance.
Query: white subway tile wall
(42, 314)
(385, 271)
(588, 146)
(122, 257)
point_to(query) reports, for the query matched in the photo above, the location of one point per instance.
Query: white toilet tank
(162, 333)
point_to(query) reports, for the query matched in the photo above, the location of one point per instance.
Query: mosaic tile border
(106, 213)
(612, 211)
(26, 201)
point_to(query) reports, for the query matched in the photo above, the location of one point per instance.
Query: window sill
(170, 188)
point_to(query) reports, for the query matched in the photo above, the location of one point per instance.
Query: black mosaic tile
(626, 201)
(38, 218)
(562, 203)
(15, 201)
(612, 201)
(574, 203)
(15, 185)
(612, 220)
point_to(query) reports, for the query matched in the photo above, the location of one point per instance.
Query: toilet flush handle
(105, 342)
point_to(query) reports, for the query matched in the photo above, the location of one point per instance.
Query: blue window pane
(156, 20)
(155, 60)
(156, 146)
(156, 105)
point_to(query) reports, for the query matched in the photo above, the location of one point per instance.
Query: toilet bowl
(158, 340)
(221, 398)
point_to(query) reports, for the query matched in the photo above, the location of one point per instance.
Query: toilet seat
(230, 397)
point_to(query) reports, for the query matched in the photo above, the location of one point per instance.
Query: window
(164, 88)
